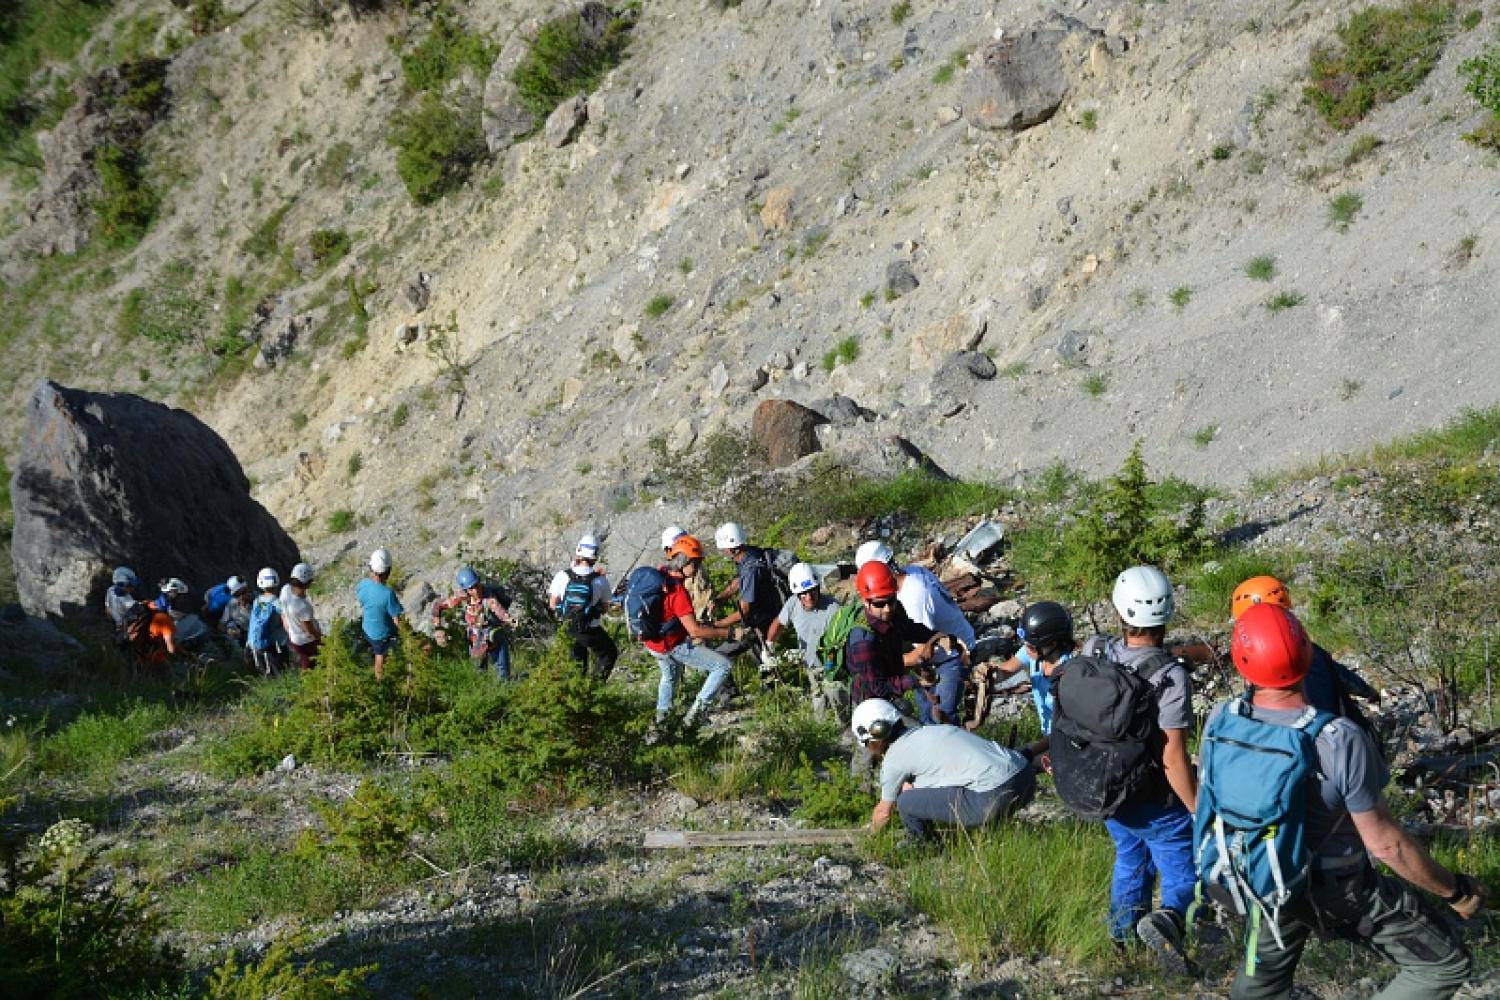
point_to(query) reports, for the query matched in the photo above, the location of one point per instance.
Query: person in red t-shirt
(680, 645)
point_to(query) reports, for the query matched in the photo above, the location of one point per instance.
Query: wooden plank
(747, 838)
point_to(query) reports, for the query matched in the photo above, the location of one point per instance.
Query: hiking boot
(696, 715)
(1161, 931)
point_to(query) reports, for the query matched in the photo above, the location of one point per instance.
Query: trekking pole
(620, 582)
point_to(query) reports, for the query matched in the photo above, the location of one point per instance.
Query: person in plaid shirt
(483, 615)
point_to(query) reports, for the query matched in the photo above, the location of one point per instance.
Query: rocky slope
(753, 187)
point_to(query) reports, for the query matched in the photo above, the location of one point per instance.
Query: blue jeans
(498, 658)
(948, 692)
(689, 654)
(1150, 839)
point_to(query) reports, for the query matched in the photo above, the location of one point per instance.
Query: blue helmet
(466, 578)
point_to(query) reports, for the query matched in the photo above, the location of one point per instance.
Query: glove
(767, 658)
(1469, 896)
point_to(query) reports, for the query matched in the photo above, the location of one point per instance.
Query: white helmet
(588, 548)
(267, 578)
(125, 576)
(302, 573)
(729, 536)
(174, 585)
(234, 585)
(380, 561)
(670, 534)
(1143, 597)
(801, 578)
(874, 719)
(873, 552)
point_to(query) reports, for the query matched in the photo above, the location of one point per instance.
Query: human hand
(1469, 896)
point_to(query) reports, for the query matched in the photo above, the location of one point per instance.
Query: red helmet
(1270, 648)
(875, 580)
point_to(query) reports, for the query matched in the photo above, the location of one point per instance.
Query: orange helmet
(1259, 590)
(1269, 647)
(875, 580)
(687, 547)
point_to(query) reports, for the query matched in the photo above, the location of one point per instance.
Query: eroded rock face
(105, 479)
(782, 431)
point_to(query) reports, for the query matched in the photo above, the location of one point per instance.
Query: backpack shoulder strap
(1312, 721)
(1095, 645)
(1154, 664)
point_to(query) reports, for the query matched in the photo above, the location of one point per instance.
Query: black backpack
(1106, 745)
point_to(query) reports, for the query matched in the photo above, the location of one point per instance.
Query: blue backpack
(265, 629)
(215, 600)
(645, 604)
(577, 605)
(1249, 834)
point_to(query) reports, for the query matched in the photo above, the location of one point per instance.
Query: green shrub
(95, 743)
(444, 52)
(1179, 297)
(837, 799)
(845, 352)
(64, 931)
(1343, 209)
(1261, 268)
(265, 240)
(127, 205)
(564, 61)
(340, 521)
(278, 975)
(1481, 75)
(1282, 301)
(1383, 54)
(328, 246)
(437, 147)
(658, 306)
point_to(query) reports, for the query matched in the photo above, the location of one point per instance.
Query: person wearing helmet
(1153, 830)
(807, 612)
(1046, 634)
(215, 600)
(149, 638)
(1330, 686)
(234, 621)
(379, 608)
(681, 644)
(120, 595)
(298, 617)
(265, 636)
(1347, 821)
(485, 616)
(758, 600)
(580, 595)
(939, 774)
(189, 631)
(928, 602)
(168, 589)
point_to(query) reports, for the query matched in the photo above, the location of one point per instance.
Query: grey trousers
(921, 806)
(1380, 912)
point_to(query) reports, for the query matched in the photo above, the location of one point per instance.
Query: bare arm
(702, 632)
(773, 632)
(881, 816)
(1180, 773)
(1389, 841)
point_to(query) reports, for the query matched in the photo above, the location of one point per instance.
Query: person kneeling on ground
(1347, 821)
(940, 774)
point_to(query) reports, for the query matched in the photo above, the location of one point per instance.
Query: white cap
(380, 561)
(873, 552)
(174, 586)
(873, 719)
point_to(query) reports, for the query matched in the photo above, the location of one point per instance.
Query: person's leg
(1130, 885)
(1011, 797)
(925, 705)
(920, 807)
(699, 657)
(1266, 969)
(602, 645)
(1169, 838)
(949, 692)
(500, 658)
(1409, 931)
(666, 688)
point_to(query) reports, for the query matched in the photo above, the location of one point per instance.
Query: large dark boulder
(1021, 80)
(105, 479)
(782, 431)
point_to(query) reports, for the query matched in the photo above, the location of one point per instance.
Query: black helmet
(1046, 624)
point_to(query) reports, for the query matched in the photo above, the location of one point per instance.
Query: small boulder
(565, 121)
(900, 278)
(626, 343)
(781, 432)
(965, 366)
(959, 332)
(419, 291)
(417, 598)
(776, 211)
(1021, 81)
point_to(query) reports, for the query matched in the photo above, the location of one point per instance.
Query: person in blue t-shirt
(1046, 634)
(380, 608)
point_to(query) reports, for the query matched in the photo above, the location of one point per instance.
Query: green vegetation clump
(1383, 54)
(437, 147)
(167, 310)
(127, 205)
(1343, 209)
(565, 60)
(444, 52)
(33, 34)
(1262, 268)
(845, 352)
(340, 521)
(1180, 297)
(1282, 301)
(328, 247)
(658, 306)
(277, 974)
(1482, 80)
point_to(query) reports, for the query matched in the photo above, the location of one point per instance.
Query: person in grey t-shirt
(1347, 816)
(940, 774)
(808, 612)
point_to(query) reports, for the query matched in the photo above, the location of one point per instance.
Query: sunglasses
(880, 603)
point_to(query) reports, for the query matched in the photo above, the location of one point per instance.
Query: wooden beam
(747, 838)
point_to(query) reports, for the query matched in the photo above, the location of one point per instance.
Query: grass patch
(957, 60)
(1204, 436)
(568, 58)
(444, 52)
(900, 12)
(1179, 297)
(1095, 384)
(1261, 268)
(657, 307)
(1343, 209)
(1382, 54)
(1362, 147)
(167, 310)
(34, 33)
(1089, 119)
(341, 521)
(268, 882)
(1282, 301)
(94, 744)
(845, 352)
(328, 247)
